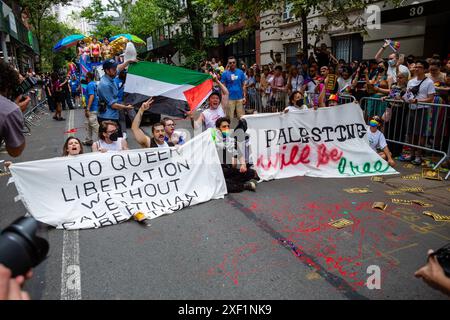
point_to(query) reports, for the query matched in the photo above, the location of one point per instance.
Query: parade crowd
(317, 81)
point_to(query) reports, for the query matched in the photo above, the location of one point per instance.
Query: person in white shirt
(108, 138)
(217, 102)
(377, 141)
(295, 102)
(419, 89)
(394, 61)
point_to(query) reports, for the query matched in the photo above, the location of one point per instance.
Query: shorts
(75, 94)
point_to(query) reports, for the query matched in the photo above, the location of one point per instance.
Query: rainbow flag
(395, 45)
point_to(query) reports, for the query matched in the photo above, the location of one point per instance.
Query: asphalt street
(274, 243)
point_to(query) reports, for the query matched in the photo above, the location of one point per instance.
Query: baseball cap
(109, 64)
(333, 97)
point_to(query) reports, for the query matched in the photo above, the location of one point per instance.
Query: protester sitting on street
(218, 103)
(295, 102)
(420, 89)
(91, 110)
(108, 138)
(377, 141)
(158, 130)
(170, 134)
(433, 274)
(72, 147)
(237, 176)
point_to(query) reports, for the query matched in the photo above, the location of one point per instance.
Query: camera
(26, 85)
(443, 257)
(20, 248)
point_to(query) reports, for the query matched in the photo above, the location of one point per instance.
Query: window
(287, 13)
(348, 47)
(291, 50)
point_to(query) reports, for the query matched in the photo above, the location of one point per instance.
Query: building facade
(19, 46)
(421, 27)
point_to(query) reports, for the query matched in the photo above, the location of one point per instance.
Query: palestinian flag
(176, 90)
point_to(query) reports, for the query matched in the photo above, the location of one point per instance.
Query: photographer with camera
(433, 273)
(20, 251)
(10, 288)
(12, 103)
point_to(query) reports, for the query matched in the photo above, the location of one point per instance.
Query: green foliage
(52, 32)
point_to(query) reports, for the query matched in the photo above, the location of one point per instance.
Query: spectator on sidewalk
(234, 80)
(393, 62)
(420, 89)
(277, 60)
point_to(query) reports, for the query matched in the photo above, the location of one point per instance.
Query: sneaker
(61, 119)
(405, 157)
(55, 117)
(417, 161)
(250, 185)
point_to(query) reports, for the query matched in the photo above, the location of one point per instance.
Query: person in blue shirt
(234, 79)
(91, 122)
(108, 93)
(75, 90)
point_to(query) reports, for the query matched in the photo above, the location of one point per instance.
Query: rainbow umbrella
(68, 42)
(130, 37)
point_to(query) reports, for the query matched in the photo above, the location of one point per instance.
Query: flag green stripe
(166, 73)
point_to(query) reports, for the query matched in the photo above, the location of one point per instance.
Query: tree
(39, 10)
(52, 32)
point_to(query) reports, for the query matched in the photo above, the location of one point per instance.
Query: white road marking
(71, 272)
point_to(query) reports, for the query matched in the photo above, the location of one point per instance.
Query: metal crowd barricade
(312, 99)
(35, 110)
(424, 126)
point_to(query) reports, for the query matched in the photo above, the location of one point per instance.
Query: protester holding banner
(171, 135)
(295, 102)
(109, 139)
(237, 179)
(158, 130)
(72, 147)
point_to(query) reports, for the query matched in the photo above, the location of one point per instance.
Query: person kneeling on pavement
(237, 176)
